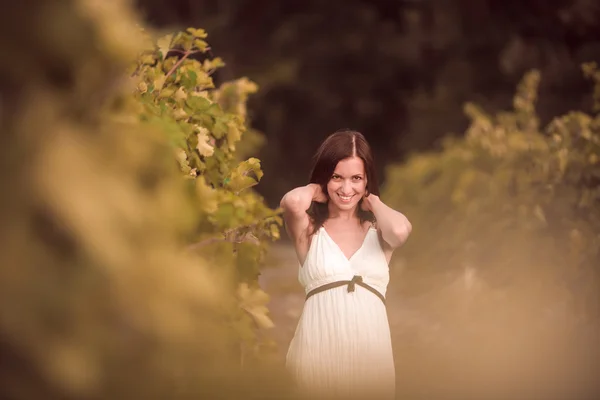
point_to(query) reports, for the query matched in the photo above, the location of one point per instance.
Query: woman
(344, 237)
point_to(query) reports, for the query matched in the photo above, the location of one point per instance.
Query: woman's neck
(342, 215)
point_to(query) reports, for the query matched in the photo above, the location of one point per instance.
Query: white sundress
(342, 346)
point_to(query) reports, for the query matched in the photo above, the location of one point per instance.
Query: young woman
(344, 237)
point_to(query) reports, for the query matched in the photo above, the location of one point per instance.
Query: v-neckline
(342, 251)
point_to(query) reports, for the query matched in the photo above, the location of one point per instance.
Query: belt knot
(352, 284)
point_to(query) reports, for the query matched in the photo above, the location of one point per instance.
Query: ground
(463, 337)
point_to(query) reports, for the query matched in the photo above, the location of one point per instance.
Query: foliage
(204, 125)
(512, 200)
(101, 296)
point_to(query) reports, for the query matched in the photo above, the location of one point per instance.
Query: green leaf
(245, 175)
(220, 129)
(213, 64)
(198, 103)
(164, 45)
(215, 111)
(200, 45)
(166, 93)
(189, 79)
(198, 33)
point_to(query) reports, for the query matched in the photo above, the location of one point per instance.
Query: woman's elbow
(401, 232)
(291, 202)
(407, 228)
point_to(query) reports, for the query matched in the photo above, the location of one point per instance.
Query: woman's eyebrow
(357, 174)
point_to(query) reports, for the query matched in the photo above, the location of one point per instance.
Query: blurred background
(399, 71)
(120, 281)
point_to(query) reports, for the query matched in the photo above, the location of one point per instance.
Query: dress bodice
(326, 263)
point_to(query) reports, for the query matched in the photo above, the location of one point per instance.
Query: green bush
(511, 201)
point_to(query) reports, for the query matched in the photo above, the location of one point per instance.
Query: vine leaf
(254, 301)
(204, 147)
(164, 45)
(245, 175)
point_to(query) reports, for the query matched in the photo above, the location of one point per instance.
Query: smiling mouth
(345, 199)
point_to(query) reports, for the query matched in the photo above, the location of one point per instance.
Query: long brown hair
(340, 145)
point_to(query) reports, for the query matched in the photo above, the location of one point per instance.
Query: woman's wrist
(315, 191)
(371, 199)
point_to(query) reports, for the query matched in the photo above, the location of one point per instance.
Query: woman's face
(347, 186)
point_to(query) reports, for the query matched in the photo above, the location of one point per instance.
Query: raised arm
(394, 226)
(294, 204)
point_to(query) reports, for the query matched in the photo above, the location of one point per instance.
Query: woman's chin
(345, 206)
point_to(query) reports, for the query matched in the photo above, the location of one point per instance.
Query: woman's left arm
(394, 226)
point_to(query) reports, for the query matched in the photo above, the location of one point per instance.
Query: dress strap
(356, 280)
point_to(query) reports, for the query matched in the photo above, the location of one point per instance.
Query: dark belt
(356, 280)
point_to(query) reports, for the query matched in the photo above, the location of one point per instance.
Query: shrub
(511, 201)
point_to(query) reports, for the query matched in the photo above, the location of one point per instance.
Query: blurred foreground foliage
(204, 125)
(117, 154)
(512, 204)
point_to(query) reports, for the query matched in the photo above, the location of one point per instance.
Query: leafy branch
(240, 234)
(203, 124)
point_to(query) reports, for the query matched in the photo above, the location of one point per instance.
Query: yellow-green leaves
(179, 114)
(159, 81)
(204, 139)
(180, 95)
(182, 159)
(208, 197)
(203, 124)
(509, 192)
(197, 33)
(274, 231)
(254, 301)
(142, 87)
(164, 45)
(198, 103)
(245, 175)
(211, 65)
(234, 134)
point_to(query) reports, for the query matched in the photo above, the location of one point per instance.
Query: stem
(205, 242)
(226, 236)
(178, 63)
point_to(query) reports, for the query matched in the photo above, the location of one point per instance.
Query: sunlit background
(118, 281)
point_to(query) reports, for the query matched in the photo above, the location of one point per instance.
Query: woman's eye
(357, 178)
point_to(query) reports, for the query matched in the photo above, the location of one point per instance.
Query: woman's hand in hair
(318, 194)
(366, 202)
(394, 226)
(298, 200)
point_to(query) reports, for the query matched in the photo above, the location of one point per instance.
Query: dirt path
(463, 340)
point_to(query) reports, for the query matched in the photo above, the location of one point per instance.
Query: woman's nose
(346, 186)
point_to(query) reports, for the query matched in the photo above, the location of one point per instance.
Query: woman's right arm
(294, 204)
